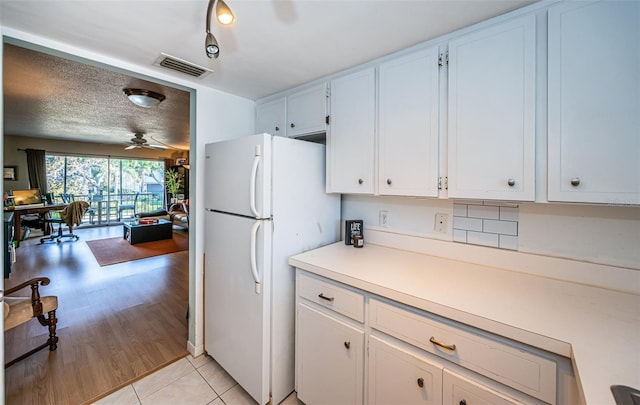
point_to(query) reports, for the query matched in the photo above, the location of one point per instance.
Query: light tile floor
(198, 381)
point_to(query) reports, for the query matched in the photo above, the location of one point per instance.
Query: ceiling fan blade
(156, 147)
(130, 147)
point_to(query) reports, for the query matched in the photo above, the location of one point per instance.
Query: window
(107, 183)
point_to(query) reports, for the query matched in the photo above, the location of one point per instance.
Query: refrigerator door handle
(254, 253)
(252, 185)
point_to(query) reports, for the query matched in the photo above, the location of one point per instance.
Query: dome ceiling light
(144, 98)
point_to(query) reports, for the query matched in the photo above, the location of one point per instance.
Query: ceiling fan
(139, 142)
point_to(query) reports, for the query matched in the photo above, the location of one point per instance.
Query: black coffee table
(139, 233)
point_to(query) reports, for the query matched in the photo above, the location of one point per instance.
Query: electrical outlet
(441, 222)
(384, 219)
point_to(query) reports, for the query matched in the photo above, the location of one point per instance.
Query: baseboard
(193, 350)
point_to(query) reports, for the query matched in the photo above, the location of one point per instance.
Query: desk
(43, 209)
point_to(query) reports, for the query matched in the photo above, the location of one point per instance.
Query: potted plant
(172, 183)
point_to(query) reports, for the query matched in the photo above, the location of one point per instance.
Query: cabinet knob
(420, 382)
(347, 345)
(462, 402)
(511, 182)
(293, 125)
(360, 181)
(277, 128)
(389, 181)
(575, 181)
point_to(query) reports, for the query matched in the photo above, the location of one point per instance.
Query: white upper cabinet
(594, 102)
(307, 111)
(271, 117)
(351, 135)
(408, 125)
(491, 125)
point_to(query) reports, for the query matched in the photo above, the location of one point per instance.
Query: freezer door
(238, 176)
(237, 309)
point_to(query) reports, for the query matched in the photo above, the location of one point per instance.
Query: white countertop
(598, 328)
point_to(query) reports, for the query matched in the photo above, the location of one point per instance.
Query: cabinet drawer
(399, 377)
(520, 369)
(460, 390)
(338, 298)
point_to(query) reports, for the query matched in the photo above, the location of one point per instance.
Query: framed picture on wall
(10, 173)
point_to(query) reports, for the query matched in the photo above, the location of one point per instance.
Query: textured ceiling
(51, 97)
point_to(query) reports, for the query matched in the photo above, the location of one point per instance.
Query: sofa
(178, 214)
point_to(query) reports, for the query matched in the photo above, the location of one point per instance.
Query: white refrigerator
(265, 200)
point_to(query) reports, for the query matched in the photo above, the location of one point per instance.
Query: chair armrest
(33, 283)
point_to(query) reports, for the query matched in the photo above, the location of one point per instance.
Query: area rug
(117, 250)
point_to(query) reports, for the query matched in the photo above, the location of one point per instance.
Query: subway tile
(459, 236)
(483, 211)
(509, 213)
(501, 227)
(508, 242)
(484, 239)
(459, 210)
(469, 224)
(468, 202)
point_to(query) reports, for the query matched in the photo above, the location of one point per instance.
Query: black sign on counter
(353, 227)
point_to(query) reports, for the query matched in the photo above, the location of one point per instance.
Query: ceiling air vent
(179, 65)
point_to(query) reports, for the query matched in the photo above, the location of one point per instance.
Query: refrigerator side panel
(237, 318)
(304, 218)
(229, 175)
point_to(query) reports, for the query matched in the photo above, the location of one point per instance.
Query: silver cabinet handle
(347, 345)
(511, 182)
(443, 345)
(324, 297)
(420, 382)
(575, 182)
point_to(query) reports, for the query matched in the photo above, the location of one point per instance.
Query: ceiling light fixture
(224, 16)
(144, 98)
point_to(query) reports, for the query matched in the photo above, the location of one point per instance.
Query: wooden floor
(116, 323)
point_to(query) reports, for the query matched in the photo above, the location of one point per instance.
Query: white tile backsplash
(484, 239)
(500, 227)
(467, 224)
(486, 223)
(482, 211)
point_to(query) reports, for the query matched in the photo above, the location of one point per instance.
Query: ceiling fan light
(144, 98)
(223, 13)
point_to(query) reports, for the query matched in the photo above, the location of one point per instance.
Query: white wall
(220, 116)
(217, 116)
(599, 234)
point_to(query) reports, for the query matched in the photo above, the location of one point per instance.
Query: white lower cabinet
(458, 390)
(330, 359)
(399, 377)
(354, 347)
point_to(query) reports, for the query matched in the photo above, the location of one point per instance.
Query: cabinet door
(491, 130)
(329, 359)
(307, 111)
(350, 140)
(408, 125)
(270, 117)
(594, 102)
(397, 377)
(458, 390)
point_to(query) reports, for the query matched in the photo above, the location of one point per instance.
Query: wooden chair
(19, 310)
